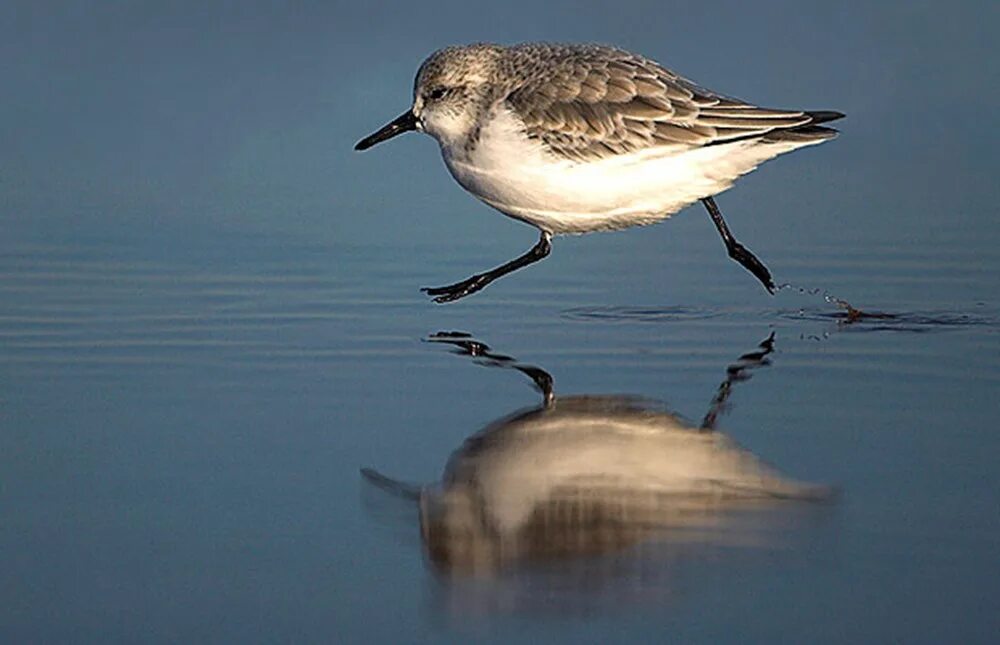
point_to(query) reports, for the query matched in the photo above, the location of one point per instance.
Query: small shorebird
(581, 138)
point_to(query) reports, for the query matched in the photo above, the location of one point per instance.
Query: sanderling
(581, 138)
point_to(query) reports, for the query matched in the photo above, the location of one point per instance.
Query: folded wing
(599, 102)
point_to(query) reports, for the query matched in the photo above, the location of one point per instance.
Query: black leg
(480, 280)
(736, 250)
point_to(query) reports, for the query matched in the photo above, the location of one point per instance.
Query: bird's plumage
(579, 138)
(593, 102)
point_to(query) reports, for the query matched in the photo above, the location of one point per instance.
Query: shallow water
(210, 324)
(183, 440)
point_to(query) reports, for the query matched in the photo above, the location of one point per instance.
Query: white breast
(518, 177)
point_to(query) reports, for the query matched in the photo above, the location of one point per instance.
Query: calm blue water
(210, 323)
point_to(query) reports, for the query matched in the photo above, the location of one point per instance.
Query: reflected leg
(738, 371)
(736, 250)
(481, 280)
(469, 346)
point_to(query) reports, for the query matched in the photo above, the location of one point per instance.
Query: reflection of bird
(581, 138)
(586, 474)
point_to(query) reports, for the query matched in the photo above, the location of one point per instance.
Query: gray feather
(589, 102)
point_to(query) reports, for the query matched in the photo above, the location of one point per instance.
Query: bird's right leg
(736, 250)
(481, 280)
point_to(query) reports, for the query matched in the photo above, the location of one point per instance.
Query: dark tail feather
(805, 133)
(823, 116)
(809, 132)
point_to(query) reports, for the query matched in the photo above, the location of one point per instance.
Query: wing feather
(590, 102)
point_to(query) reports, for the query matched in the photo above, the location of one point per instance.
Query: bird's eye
(437, 93)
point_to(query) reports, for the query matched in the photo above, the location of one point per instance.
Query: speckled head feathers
(453, 88)
(458, 65)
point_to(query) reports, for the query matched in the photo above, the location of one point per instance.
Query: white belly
(519, 178)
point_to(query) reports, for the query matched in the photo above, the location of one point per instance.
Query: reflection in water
(586, 475)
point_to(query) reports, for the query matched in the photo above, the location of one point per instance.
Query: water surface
(210, 323)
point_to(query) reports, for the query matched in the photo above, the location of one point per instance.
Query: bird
(577, 138)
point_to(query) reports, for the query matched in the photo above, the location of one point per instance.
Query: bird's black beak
(402, 123)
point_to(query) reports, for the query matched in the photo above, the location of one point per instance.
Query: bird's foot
(453, 292)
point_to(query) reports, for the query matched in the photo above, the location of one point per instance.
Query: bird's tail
(823, 116)
(807, 133)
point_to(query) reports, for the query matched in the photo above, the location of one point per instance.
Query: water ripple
(904, 321)
(639, 314)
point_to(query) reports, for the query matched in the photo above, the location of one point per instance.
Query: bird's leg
(481, 280)
(736, 250)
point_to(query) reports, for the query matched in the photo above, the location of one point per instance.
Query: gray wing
(588, 103)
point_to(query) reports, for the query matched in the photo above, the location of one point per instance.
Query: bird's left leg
(481, 280)
(736, 250)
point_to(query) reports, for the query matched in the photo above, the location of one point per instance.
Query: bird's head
(451, 89)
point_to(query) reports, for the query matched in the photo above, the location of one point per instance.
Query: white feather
(515, 175)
